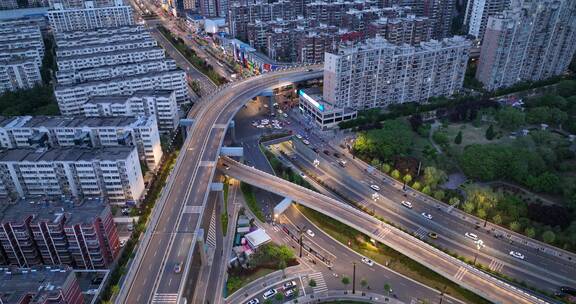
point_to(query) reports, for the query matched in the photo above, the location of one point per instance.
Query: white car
(260, 126)
(375, 187)
(367, 261)
(269, 293)
(253, 301)
(289, 285)
(298, 136)
(306, 142)
(471, 236)
(122, 243)
(407, 204)
(285, 115)
(517, 255)
(427, 215)
(289, 293)
(310, 233)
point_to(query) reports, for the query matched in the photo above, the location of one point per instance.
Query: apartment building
(111, 172)
(40, 286)
(409, 29)
(241, 14)
(64, 17)
(158, 103)
(71, 98)
(78, 234)
(377, 73)
(531, 41)
(21, 53)
(101, 35)
(70, 64)
(78, 131)
(477, 13)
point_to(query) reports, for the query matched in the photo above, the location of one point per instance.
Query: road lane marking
(421, 232)
(192, 209)
(460, 273)
(496, 265)
(302, 283)
(165, 298)
(320, 283)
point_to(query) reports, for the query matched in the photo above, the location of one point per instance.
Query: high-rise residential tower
(477, 13)
(531, 41)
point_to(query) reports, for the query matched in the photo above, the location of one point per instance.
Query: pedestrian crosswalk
(382, 232)
(421, 233)
(320, 283)
(460, 273)
(165, 298)
(496, 265)
(211, 237)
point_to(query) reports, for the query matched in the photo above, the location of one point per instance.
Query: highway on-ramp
(451, 268)
(171, 235)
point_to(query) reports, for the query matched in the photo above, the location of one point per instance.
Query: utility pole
(301, 232)
(354, 278)
(442, 295)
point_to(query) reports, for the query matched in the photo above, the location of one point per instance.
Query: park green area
(385, 255)
(192, 57)
(520, 163)
(265, 259)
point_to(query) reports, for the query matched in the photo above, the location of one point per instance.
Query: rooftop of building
(315, 95)
(124, 98)
(100, 54)
(104, 31)
(118, 79)
(65, 122)
(103, 44)
(39, 283)
(49, 211)
(66, 154)
(381, 43)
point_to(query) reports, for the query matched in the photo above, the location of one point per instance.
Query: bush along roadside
(455, 255)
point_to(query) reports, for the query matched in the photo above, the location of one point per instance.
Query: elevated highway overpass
(451, 268)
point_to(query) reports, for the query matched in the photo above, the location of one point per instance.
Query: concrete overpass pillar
(185, 124)
(232, 128)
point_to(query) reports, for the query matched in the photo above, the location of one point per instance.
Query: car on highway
(427, 215)
(285, 115)
(336, 154)
(564, 290)
(298, 136)
(178, 267)
(253, 301)
(290, 293)
(302, 175)
(289, 285)
(341, 163)
(326, 152)
(368, 261)
(407, 204)
(517, 254)
(471, 236)
(122, 243)
(310, 233)
(306, 142)
(375, 187)
(260, 126)
(269, 293)
(433, 235)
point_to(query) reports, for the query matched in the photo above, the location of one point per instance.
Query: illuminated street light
(375, 196)
(316, 163)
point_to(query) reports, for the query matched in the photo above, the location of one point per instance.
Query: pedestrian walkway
(496, 265)
(320, 283)
(211, 237)
(165, 298)
(383, 232)
(420, 233)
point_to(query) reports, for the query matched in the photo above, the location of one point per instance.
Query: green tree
(454, 200)
(387, 288)
(312, 283)
(268, 301)
(345, 281)
(426, 190)
(279, 296)
(510, 118)
(497, 219)
(490, 134)
(515, 226)
(363, 283)
(439, 194)
(395, 137)
(282, 266)
(481, 213)
(440, 138)
(375, 163)
(548, 237)
(458, 138)
(567, 88)
(530, 232)
(386, 168)
(407, 178)
(416, 186)
(469, 207)
(433, 176)
(395, 174)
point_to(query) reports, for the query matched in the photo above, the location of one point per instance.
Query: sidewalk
(346, 295)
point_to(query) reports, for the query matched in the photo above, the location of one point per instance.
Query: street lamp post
(301, 232)
(354, 278)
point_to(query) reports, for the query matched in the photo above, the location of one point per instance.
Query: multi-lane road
(451, 268)
(354, 182)
(172, 233)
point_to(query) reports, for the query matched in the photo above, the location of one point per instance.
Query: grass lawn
(386, 255)
(236, 282)
(471, 135)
